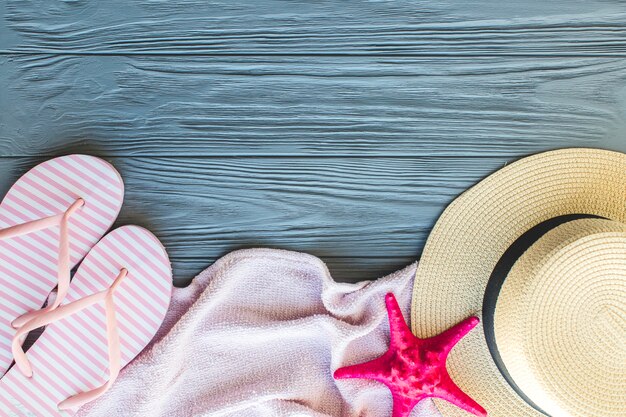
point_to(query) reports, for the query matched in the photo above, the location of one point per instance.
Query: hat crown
(560, 318)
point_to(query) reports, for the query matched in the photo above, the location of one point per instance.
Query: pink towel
(259, 333)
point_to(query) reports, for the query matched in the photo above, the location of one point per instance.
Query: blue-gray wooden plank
(309, 106)
(340, 128)
(361, 215)
(407, 27)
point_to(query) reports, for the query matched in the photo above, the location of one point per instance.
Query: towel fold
(259, 333)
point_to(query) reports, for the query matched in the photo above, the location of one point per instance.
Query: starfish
(414, 369)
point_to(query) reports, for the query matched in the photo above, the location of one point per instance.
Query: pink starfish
(413, 368)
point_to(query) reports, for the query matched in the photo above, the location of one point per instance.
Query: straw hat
(538, 249)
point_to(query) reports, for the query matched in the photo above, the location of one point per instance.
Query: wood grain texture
(339, 128)
(297, 106)
(350, 27)
(352, 212)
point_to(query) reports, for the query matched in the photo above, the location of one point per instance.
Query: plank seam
(551, 55)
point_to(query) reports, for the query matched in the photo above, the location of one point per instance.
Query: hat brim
(474, 232)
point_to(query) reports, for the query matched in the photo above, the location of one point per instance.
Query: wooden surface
(338, 128)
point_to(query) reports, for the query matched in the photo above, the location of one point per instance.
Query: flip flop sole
(72, 354)
(28, 263)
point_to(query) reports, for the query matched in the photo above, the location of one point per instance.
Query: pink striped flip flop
(115, 304)
(50, 218)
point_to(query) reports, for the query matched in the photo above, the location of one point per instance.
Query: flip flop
(115, 304)
(50, 218)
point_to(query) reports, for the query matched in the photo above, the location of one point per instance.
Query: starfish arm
(451, 337)
(399, 331)
(376, 369)
(450, 392)
(402, 406)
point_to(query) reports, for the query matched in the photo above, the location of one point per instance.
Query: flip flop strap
(113, 338)
(63, 274)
